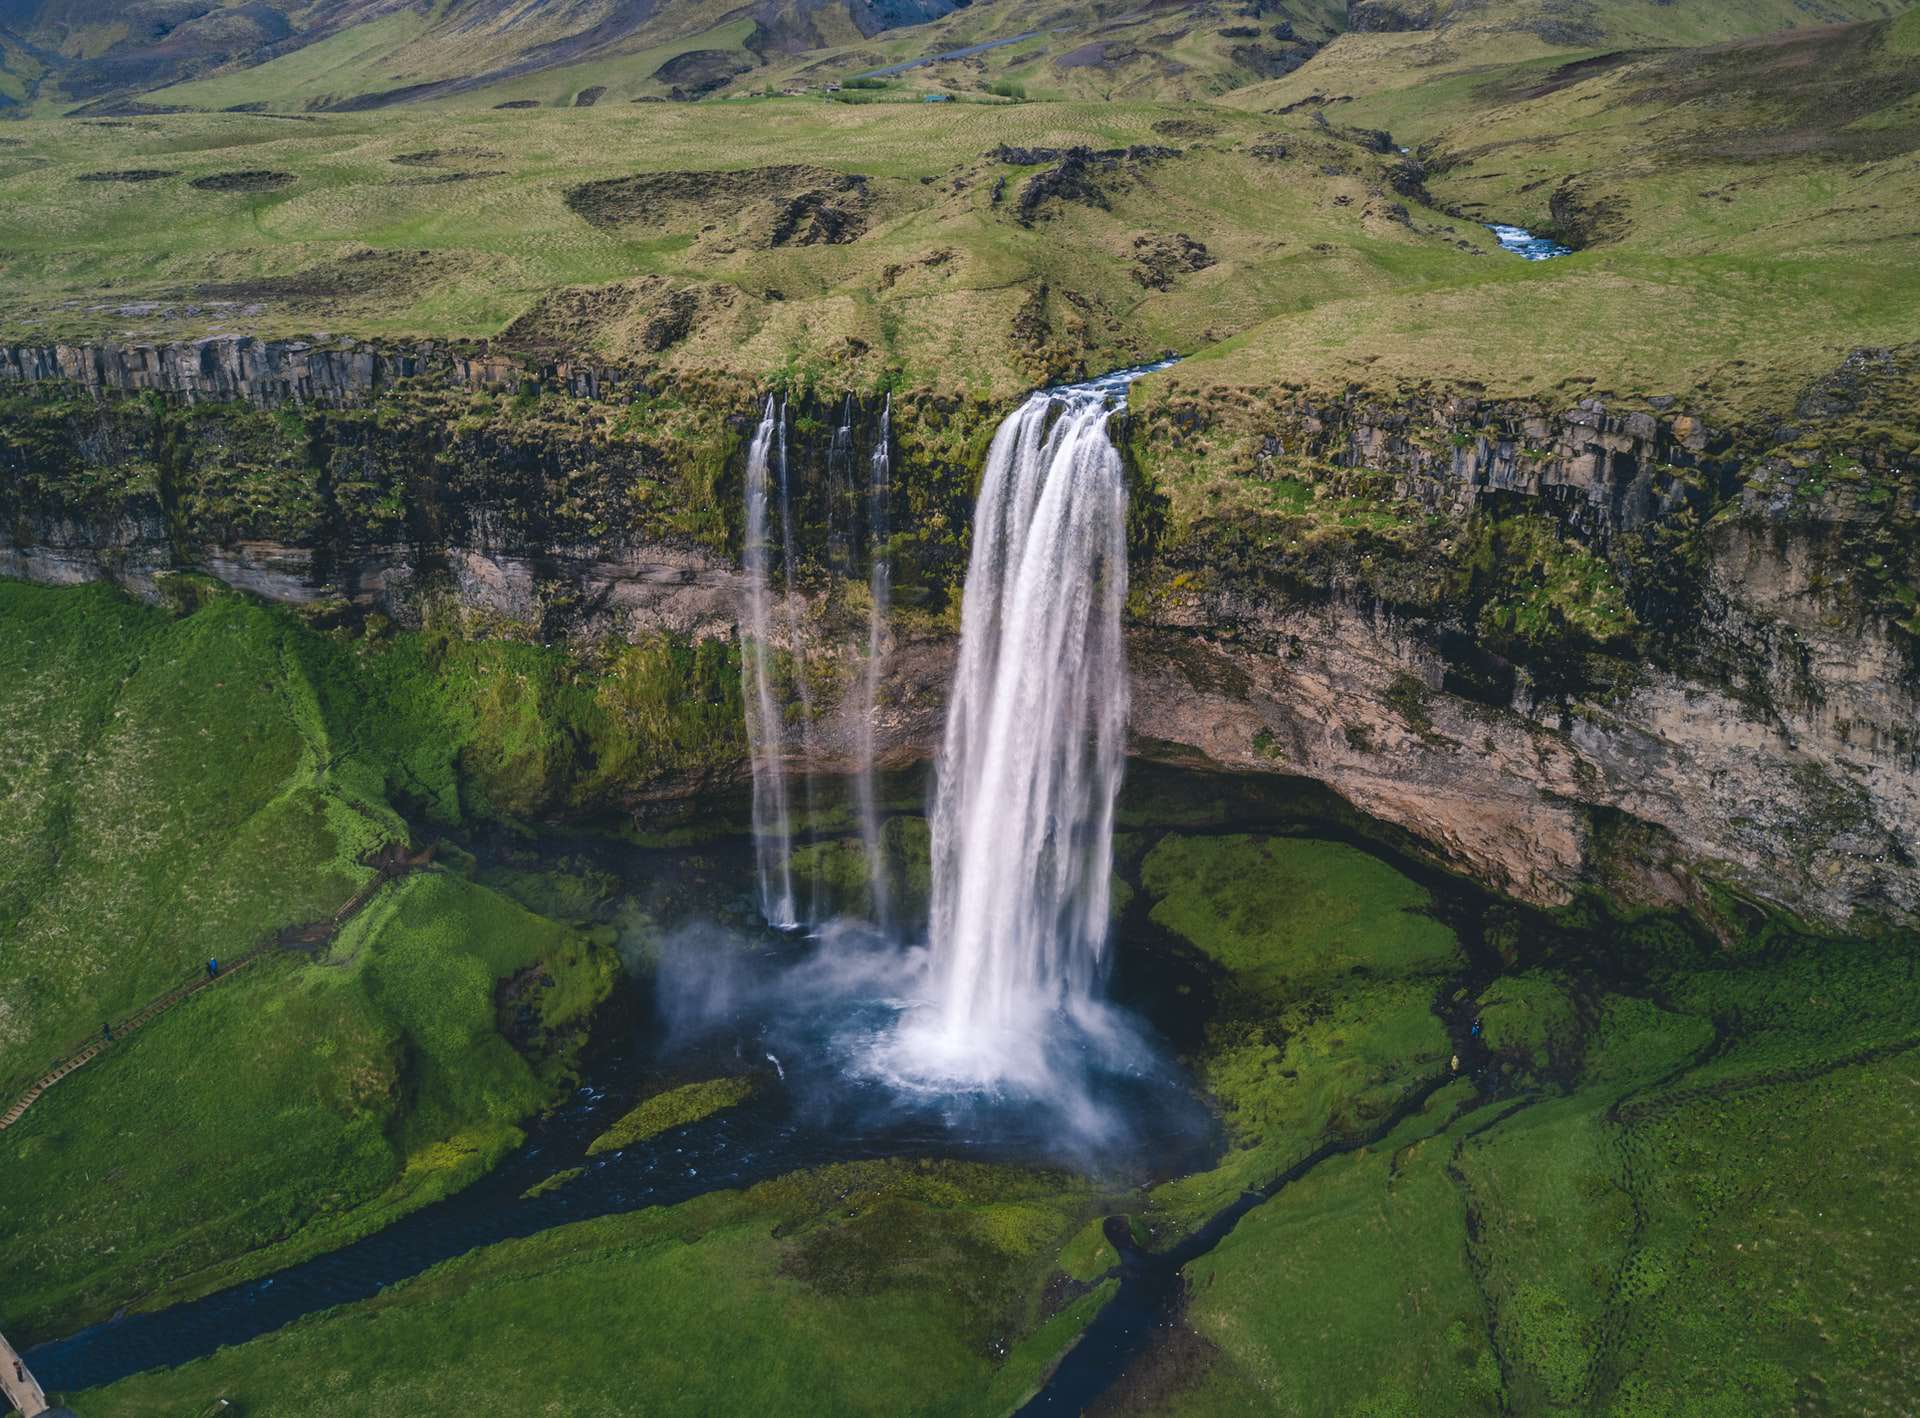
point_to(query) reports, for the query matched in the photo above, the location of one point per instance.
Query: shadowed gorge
(1136, 710)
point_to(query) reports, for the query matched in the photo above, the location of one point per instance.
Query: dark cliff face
(1564, 647)
(272, 373)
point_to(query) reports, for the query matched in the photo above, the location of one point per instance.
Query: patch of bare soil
(257, 179)
(1080, 175)
(1389, 16)
(588, 97)
(1565, 76)
(651, 313)
(434, 179)
(132, 174)
(700, 71)
(519, 103)
(567, 318)
(1271, 61)
(1099, 54)
(791, 205)
(932, 261)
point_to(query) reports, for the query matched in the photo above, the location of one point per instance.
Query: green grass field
(871, 1289)
(1745, 207)
(1328, 1023)
(1639, 1222)
(182, 786)
(471, 237)
(1683, 1206)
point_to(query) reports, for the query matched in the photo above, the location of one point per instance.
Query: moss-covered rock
(677, 1107)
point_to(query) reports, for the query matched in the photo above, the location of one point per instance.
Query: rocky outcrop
(1075, 175)
(1604, 470)
(1389, 16)
(269, 373)
(1810, 802)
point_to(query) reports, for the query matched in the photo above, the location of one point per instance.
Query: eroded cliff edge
(1606, 642)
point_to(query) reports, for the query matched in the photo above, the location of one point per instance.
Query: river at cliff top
(1526, 245)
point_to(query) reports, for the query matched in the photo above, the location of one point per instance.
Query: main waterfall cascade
(1029, 769)
(1031, 763)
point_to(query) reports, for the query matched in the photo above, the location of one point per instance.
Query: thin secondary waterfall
(1031, 764)
(880, 593)
(796, 652)
(771, 830)
(843, 501)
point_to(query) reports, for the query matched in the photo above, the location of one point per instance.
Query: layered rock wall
(268, 373)
(1762, 746)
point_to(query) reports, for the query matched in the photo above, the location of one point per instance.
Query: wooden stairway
(393, 860)
(17, 1385)
(81, 1057)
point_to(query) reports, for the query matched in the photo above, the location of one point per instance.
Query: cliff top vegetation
(1738, 208)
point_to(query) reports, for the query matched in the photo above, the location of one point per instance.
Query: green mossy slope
(179, 786)
(1326, 1018)
(1682, 1201)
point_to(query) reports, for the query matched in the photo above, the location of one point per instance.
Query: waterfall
(880, 589)
(843, 503)
(1031, 763)
(796, 652)
(771, 833)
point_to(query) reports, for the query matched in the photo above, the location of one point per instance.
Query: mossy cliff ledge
(1608, 641)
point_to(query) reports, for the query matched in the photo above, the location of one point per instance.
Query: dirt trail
(393, 860)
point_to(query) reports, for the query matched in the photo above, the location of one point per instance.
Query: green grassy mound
(287, 1111)
(1326, 1019)
(674, 1108)
(1700, 1213)
(1348, 1298)
(183, 786)
(875, 1288)
(1286, 915)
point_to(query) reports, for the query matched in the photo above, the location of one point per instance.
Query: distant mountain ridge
(99, 55)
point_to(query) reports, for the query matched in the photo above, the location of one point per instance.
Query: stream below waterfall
(809, 1112)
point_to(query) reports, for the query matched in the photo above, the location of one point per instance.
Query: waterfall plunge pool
(713, 990)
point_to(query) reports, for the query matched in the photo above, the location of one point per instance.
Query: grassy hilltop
(1739, 209)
